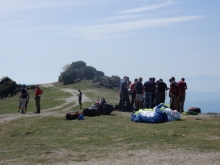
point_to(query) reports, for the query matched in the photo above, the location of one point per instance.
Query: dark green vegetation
(77, 71)
(53, 139)
(9, 88)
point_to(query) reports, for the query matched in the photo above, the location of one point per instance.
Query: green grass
(103, 134)
(34, 139)
(87, 87)
(48, 100)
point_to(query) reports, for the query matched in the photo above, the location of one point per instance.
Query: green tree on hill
(78, 70)
(77, 65)
(7, 86)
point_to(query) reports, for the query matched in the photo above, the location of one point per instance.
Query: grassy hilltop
(49, 138)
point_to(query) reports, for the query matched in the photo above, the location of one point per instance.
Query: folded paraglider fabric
(159, 114)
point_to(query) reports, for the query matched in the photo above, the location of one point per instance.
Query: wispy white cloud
(120, 17)
(112, 30)
(12, 5)
(150, 7)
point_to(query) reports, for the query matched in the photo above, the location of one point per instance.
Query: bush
(7, 86)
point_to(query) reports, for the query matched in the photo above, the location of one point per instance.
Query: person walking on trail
(24, 95)
(38, 93)
(80, 98)
(183, 87)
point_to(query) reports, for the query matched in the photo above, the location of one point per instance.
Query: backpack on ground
(195, 109)
(100, 107)
(73, 115)
(116, 107)
(106, 109)
(91, 111)
(103, 107)
(99, 104)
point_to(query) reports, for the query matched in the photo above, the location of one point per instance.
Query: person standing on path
(24, 95)
(20, 102)
(38, 93)
(27, 101)
(80, 98)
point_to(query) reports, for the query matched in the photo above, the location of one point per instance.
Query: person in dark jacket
(183, 87)
(175, 93)
(133, 92)
(124, 95)
(80, 98)
(139, 94)
(148, 93)
(161, 89)
(24, 95)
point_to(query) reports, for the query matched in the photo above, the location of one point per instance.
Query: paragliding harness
(74, 115)
(99, 104)
(100, 107)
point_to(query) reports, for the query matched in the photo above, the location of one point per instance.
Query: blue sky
(137, 38)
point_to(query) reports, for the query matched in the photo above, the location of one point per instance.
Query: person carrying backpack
(38, 93)
(23, 98)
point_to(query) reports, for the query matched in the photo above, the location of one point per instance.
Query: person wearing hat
(161, 89)
(24, 95)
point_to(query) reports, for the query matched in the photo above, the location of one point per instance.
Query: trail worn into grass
(51, 111)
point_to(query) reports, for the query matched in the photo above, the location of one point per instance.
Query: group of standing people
(24, 99)
(177, 94)
(151, 93)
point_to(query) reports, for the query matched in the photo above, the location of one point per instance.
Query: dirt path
(51, 111)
